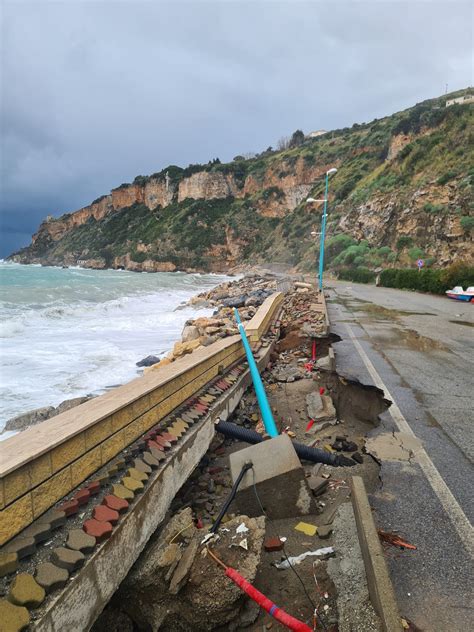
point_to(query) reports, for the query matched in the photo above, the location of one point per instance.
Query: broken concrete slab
(314, 404)
(180, 576)
(396, 446)
(279, 480)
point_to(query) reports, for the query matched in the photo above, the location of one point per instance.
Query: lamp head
(310, 200)
(331, 171)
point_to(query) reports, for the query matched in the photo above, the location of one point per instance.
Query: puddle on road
(372, 309)
(466, 323)
(410, 339)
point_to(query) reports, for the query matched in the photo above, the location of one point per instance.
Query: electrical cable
(230, 497)
(315, 610)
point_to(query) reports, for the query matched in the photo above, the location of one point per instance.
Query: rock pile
(246, 294)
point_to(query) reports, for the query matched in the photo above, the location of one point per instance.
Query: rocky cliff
(403, 190)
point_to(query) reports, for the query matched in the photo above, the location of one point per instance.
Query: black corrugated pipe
(303, 451)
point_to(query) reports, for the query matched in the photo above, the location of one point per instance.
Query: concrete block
(17, 484)
(279, 480)
(15, 518)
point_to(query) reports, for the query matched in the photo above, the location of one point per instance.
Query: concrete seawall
(74, 459)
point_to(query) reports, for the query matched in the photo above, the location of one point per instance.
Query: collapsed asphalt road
(419, 349)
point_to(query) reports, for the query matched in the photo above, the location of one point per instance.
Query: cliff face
(403, 190)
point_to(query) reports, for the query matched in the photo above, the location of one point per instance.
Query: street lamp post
(323, 226)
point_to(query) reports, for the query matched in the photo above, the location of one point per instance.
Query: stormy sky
(95, 93)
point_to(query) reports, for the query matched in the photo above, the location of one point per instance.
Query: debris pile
(246, 294)
(175, 585)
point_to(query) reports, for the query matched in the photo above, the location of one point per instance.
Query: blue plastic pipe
(323, 234)
(267, 416)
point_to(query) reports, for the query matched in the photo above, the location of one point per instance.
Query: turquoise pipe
(267, 416)
(323, 235)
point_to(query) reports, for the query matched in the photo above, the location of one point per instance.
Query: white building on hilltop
(319, 132)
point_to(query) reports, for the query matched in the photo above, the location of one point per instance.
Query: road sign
(420, 263)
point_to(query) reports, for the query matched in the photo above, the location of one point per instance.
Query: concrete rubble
(175, 586)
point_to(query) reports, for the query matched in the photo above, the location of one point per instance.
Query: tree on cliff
(297, 138)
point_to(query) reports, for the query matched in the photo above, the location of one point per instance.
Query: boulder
(183, 348)
(236, 301)
(190, 332)
(163, 362)
(33, 417)
(148, 361)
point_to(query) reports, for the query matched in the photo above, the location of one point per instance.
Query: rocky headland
(403, 191)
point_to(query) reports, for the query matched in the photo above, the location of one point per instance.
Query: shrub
(139, 257)
(358, 275)
(416, 253)
(467, 223)
(429, 280)
(404, 242)
(434, 208)
(446, 177)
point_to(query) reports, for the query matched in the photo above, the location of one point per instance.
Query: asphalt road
(419, 349)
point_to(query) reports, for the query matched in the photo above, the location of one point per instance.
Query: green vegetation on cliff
(403, 190)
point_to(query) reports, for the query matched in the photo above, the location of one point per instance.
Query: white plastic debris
(326, 551)
(241, 528)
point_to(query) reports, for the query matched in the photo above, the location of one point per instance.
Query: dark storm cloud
(96, 93)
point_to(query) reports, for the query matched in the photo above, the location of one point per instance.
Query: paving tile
(153, 444)
(194, 414)
(121, 491)
(120, 464)
(54, 517)
(67, 558)
(13, 618)
(100, 530)
(103, 479)
(132, 484)
(39, 531)
(188, 419)
(8, 563)
(77, 540)
(25, 591)
(115, 503)
(158, 454)
(82, 497)
(93, 488)
(150, 460)
(180, 421)
(102, 513)
(51, 577)
(70, 507)
(136, 474)
(141, 466)
(164, 444)
(169, 437)
(177, 431)
(23, 547)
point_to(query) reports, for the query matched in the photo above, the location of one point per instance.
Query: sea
(69, 332)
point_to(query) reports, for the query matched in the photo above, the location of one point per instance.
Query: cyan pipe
(267, 416)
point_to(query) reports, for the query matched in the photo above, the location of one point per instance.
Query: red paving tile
(70, 507)
(115, 503)
(100, 530)
(82, 496)
(102, 513)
